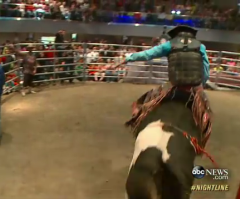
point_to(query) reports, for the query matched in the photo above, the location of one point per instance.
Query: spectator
(105, 53)
(111, 74)
(8, 60)
(121, 71)
(75, 13)
(92, 69)
(60, 41)
(90, 56)
(80, 70)
(95, 54)
(41, 59)
(55, 10)
(62, 68)
(78, 53)
(39, 11)
(29, 64)
(49, 62)
(70, 67)
(231, 64)
(100, 73)
(65, 11)
(118, 58)
(11, 83)
(30, 9)
(22, 9)
(204, 15)
(218, 69)
(13, 10)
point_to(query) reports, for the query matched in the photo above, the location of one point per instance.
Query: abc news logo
(199, 172)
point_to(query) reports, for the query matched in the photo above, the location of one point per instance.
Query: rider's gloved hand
(121, 63)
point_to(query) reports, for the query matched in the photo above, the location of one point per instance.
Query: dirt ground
(70, 142)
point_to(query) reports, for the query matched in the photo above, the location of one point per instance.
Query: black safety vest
(185, 63)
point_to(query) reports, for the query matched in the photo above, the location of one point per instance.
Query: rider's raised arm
(206, 64)
(155, 52)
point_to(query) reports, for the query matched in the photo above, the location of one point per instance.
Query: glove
(121, 63)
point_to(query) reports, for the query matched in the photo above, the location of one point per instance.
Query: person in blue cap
(188, 71)
(2, 82)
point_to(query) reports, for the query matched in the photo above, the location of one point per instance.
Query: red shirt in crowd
(29, 7)
(92, 70)
(3, 59)
(49, 53)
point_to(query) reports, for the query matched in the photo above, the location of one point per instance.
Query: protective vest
(185, 63)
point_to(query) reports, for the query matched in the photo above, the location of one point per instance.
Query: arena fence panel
(10, 65)
(96, 61)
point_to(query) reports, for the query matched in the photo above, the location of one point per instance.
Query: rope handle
(198, 149)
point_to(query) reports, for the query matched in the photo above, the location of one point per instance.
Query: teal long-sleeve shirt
(162, 51)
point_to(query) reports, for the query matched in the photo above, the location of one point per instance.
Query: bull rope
(198, 149)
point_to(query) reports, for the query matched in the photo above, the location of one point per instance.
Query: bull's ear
(238, 193)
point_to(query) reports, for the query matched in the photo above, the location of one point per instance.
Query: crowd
(192, 13)
(40, 9)
(95, 63)
(70, 65)
(228, 63)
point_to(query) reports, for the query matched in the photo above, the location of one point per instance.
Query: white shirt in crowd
(64, 10)
(77, 56)
(22, 9)
(95, 55)
(38, 5)
(89, 58)
(92, 57)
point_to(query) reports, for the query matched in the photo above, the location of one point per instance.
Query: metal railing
(90, 62)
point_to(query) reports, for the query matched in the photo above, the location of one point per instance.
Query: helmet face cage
(186, 34)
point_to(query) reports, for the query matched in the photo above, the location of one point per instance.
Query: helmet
(183, 31)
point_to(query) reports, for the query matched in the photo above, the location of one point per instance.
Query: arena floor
(69, 142)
